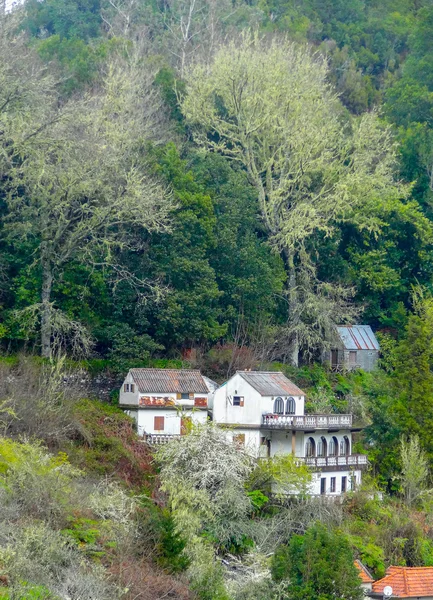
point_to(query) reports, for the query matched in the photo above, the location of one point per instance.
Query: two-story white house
(164, 401)
(266, 411)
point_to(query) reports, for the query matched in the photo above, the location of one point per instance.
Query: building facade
(355, 347)
(164, 402)
(266, 412)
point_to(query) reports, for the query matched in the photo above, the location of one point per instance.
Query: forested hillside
(134, 227)
(212, 184)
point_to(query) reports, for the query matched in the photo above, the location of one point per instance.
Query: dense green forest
(210, 183)
(170, 246)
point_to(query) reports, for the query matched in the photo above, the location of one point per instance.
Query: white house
(163, 401)
(266, 411)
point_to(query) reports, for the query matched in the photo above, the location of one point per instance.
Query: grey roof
(358, 337)
(271, 383)
(211, 384)
(169, 381)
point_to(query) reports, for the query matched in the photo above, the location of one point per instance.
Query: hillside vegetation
(211, 184)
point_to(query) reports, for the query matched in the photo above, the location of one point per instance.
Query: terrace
(274, 421)
(351, 460)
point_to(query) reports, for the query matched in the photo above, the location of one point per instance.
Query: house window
(158, 423)
(343, 484)
(238, 400)
(129, 387)
(310, 447)
(333, 447)
(279, 406)
(345, 446)
(323, 486)
(184, 396)
(352, 357)
(322, 447)
(290, 406)
(333, 484)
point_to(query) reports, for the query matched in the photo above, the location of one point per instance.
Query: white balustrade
(159, 438)
(306, 421)
(352, 460)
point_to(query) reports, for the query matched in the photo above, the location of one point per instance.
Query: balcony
(351, 460)
(159, 438)
(273, 421)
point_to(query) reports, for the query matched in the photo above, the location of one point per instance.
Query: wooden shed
(354, 347)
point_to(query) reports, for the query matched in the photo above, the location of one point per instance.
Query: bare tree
(197, 28)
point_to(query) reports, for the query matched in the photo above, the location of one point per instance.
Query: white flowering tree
(269, 107)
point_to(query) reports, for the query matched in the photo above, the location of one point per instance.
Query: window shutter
(124, 387)
(132, 386)
(241, 403)
(158, 423)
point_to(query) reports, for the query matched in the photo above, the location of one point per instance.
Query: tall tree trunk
(293, 300)
(46, 330)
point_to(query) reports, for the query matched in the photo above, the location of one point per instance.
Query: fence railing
(306, 421)
(159, 438)
(351, 460)
(344, 367)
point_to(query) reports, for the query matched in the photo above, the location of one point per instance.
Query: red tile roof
(363, 572)
(407, 582)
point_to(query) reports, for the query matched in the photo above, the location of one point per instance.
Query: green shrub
(110, 445)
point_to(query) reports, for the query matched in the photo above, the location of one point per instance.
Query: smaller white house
(164, 401)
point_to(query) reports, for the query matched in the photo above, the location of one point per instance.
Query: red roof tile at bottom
(407, 582)
(363, 572)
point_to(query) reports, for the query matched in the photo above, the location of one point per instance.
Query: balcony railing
(159, 438)
(352, 460)
(306, 421)
(344, 367)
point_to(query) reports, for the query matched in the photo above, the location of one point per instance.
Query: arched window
(333, 447)
(322, 447)
(310, 447)
(345, 446)
(290, 406)
(279, 406)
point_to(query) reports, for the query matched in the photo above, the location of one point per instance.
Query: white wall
(281, 440)
(317, 435)
(252, 440)
(130, 398)
(172, 419)
(254, 406)
(315, 484)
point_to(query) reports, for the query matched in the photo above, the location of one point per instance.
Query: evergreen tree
(317, 566)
